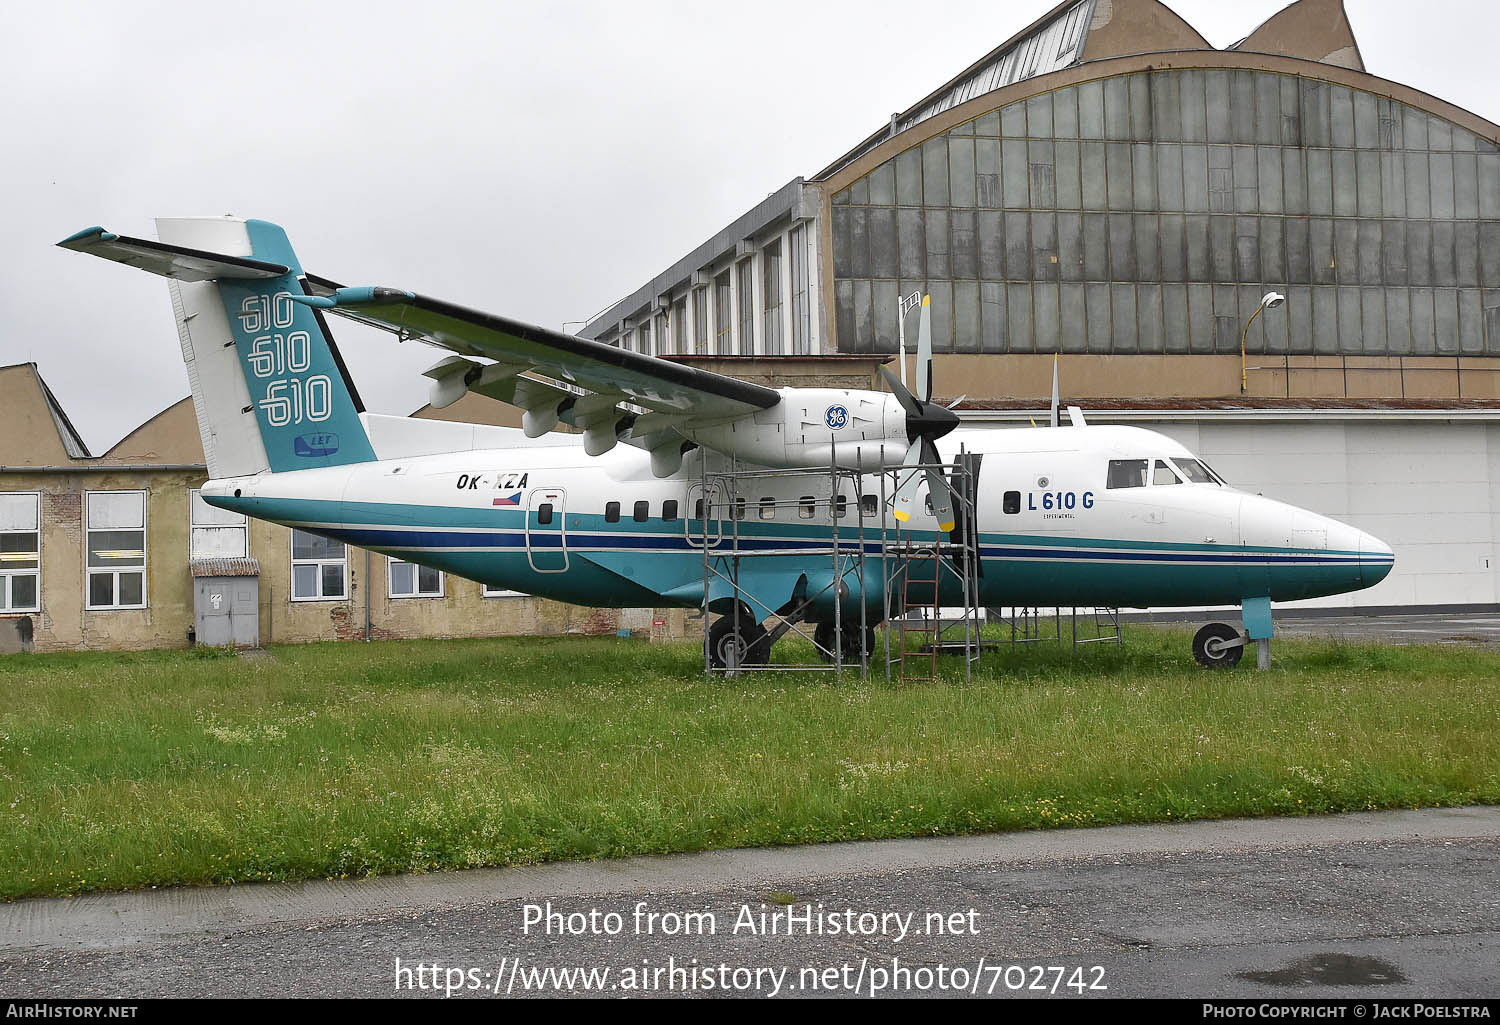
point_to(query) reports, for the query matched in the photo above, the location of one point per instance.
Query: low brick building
(101, 552)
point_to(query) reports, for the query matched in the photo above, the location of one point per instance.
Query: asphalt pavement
(1387, 904)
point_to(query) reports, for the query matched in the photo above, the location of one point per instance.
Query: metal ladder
(914, 556)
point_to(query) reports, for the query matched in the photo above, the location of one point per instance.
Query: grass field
(345, 759)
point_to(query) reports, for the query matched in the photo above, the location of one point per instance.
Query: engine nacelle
(860, 430)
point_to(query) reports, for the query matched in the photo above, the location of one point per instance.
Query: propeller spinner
(926, 421)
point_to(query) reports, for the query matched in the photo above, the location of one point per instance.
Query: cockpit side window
(1162, 474)
(1127, 473)
(1196, 472)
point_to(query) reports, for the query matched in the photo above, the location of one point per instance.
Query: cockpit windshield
(1197, 472)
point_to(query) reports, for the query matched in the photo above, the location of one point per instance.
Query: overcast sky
(536, 159)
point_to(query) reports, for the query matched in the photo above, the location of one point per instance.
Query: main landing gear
(825, 637)
(1218, 646)
(737, 640)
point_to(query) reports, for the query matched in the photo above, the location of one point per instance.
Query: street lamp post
(1269, 301)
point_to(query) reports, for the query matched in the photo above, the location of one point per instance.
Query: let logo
(311, 446)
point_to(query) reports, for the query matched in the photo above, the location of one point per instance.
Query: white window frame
(486, 591)
(90, 572)
(391, 562)
(243, 527)
(6, 575)
(320, 563)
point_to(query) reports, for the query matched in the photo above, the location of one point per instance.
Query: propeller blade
(903, 396)
(937, 487)
(924, 351)
(955, 402)
(1055, 400)
(906, 491)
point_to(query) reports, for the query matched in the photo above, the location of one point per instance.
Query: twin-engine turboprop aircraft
(1079, 515)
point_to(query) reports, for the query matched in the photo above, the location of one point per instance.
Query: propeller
(926, 421)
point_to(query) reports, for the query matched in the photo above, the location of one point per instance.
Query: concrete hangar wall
(1107, 186)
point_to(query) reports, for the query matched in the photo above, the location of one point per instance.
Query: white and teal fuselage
(537, 519)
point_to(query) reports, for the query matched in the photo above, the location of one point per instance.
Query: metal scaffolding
(932, 582)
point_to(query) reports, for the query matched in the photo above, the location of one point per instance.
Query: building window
(679, 326)
(801, 311)
(320, 570)
(700, 320)
(408, 580)
(747, 307)
(20, 552)
(116, 544)
(500, 592)
(723, 317)
(216, 533)
(770, 266)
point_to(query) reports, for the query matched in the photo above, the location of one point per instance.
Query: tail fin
(268, 386)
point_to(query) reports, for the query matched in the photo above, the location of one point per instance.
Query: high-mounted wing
(584, 383)
(170, 261)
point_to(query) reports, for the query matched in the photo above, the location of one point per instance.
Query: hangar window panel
(1194, 117)
(883, 185)
(1018, 311)
(770, 263)
(1489, 254)
(1445, 320)
(1371, 199)
(1070, 246)
(1065, 113)
(966, 316)
(1319, 181)
(1272, 249)
(1096, 303)
(938, 240)
(1440, 181)
(1267, 109)
(1096, 247)
(992, 316)
(745, 295)
(1091, 110)
(1166, 107)
(1074, 318)
(1465, 185)
(116, 545)
(991, 239)
(1043, 248)
(1195, 179)
(911, 239)
(801, 300)
(1123, 333)
(1017, 247)
(216, 533)
(1345, 187)
(1148, 318)
(942, 315)
(701, 320)
(1043, 178)
(1293, 181)
(1367, 133)
(1246, 190)
(987, 186)
(1418, 187)
(1200, 318)
(1313, 113)
(1116, 108)
(320, 568)
(884, 296)
(1092, 177)
(1351, 328)
(1439, 134)
(961, 171)
(1121, 247)
(1325, 320)
(409, 580)
(1221, 248)
(935, 172)
(1444, 272)
(723, 316)
(1466, 254)
(1167, 161)
(1414, 130)
(1369, 248)
(1393, 252)
(909, 178)
(1470, 322)
(1117, 162)
(1014, 174)
(864, 326)
(1047, 319)
(1268, 179)
(1067, 180)
(1423, 324)
(1372, 317)
(1299, 319)
(1340, 116)
(1398, 321)
(20, 552)
(1247, 249)
(1172, 230)
(1013, 121)
(1392, 185)
(1346, 251)
(1291, 113)
(964, 248)
(1174, 327)
(1321, 252)
(1216, 97)
(1039, 117)
(1489, 186)
(1419, 252)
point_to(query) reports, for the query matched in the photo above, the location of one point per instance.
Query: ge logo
(837, 418)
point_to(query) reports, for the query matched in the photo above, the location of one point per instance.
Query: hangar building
(1108, 186)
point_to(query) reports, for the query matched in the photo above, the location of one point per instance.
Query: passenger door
(546, 533)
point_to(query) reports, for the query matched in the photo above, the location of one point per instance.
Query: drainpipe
(367, 596)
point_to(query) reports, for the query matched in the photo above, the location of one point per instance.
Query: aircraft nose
(1376, 560)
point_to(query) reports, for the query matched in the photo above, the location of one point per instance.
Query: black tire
(823, 636)
(1212, 650)
(754, 642)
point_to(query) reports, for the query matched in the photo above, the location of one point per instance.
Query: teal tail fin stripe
(306, 413)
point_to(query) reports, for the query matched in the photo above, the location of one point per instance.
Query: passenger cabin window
(841, 506)
(1012, 503)
(669, 511)
(612, 512)
(544, 513)
(739, 509)
(642, 512)
(807, 506)
(1196, 472)
(1162, 474)
(768, 508)
(869, 506)
(1127, 473)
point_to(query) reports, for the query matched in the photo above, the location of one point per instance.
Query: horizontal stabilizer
(177, 262)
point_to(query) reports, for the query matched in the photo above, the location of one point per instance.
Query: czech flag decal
(509, 500)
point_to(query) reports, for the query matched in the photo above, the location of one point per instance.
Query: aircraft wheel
(823, 636)
(754, 643)
(1213, 647)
